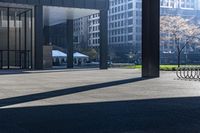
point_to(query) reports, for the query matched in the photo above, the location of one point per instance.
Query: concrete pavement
(115, 100)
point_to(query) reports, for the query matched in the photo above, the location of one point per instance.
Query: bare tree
(179, 32)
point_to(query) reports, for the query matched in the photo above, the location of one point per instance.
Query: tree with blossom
(179, 32)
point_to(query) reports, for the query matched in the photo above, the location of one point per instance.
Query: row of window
(118, 39)
(122, 23)
(94, 29)
(118, 16)
(124, 7)
(117, 2)
(94, 16)
(121, 8)
(190, 4)
(124, 15)
(94, 35)
(94, 41)
(93, 22)
(123, 31)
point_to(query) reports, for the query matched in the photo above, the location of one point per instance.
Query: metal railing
(188, 73)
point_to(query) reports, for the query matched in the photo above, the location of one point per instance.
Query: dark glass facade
(16, 37)
(150, 33)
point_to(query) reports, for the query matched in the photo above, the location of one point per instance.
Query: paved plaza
(97, 101)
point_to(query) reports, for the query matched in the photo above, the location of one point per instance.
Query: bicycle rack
(188, 73)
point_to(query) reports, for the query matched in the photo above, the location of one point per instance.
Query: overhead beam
(87, 4)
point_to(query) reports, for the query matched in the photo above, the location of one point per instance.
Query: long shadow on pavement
(66, 91)
(170, 115)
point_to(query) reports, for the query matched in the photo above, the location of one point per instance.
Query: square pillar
(70, 46)
(103, 39)
(151, 38)
(46, 35)
(38, 56)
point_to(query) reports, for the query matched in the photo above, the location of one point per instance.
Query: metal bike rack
(188, 73)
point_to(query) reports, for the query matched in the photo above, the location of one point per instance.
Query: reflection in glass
(15, 38)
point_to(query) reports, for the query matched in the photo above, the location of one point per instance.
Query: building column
(46, 35)
(38, 37)
(70, 47)
(151, 38)
(103, 39)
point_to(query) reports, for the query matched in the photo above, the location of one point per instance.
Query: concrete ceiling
(56, 15)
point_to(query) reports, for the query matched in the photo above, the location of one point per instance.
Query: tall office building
(86, 31)
(81, 33)
(190, 10)
(124, 29)
(124, 26)
(180, 4)
(93, 30)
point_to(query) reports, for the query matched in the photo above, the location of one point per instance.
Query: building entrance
(16, 38)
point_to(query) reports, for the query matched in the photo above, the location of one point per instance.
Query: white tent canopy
(79, 55)
(57, 53)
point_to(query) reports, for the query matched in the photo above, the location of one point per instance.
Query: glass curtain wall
(3, 37)
(125, 32)
(16, 38)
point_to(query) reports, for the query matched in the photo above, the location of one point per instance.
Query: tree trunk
(179, 59)
(178, 55)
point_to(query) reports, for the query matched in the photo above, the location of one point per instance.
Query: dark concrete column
(103, 39)
(151, 38)
(39, 37)
(46, 35)
(70, 47)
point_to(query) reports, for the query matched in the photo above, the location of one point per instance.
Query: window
(130, 22)
(138, 29)
(130, 29)
(130, 38)
(130, 6)
(138, 5)
(130, 13)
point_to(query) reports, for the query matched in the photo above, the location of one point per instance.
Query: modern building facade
(26, 25)
(124, 27)
(16, 37)
(93, 28)
(81, 31)
(35, 15)
(125, 17)
(86, 31)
